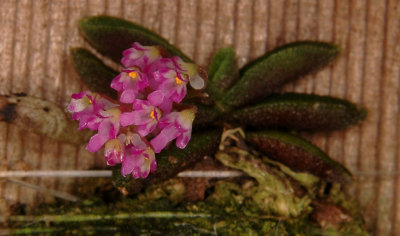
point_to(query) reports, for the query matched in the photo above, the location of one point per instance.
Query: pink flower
(139, 159)
(108, 129)
(174, 125)
(191, 71)
(86, 106)
(140, 56)
(172, 85)
(144, 115)
(129, 82)
(152, 85)
(114, 150)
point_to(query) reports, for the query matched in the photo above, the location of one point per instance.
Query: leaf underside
(298, 154)
(300, 112)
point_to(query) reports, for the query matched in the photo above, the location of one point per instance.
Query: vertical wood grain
(8, 21)
(260, 29)
(224, 24)
(354, 76)
(243, 26)
(320, 83)
(387, 132)
(187, 26)
(205, 32)
(371, 88)
(169, 18)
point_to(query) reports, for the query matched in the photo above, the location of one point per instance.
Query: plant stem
(93, 217)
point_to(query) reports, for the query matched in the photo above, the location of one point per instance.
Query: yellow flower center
(152, 115)
(155, 114)
(178, 81)
(133, 75)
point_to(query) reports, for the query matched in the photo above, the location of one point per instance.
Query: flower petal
(128, 96)
(183, 139)
(128, 164)
(126, 118)
(156, 97)
(163, 138)
(96, 142)
(197, 82)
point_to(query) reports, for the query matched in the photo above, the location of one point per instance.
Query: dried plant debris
(40, 116)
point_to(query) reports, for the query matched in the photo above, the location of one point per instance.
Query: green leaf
(205, 116)
(41, 117)
(262, 76)
(172, 161)
(94, 73)
(300, 112)
(298, 154)
(223, 72)
(111, 36)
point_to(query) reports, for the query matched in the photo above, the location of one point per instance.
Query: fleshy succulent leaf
(262, 76)
(42, 117)
(300, 112)
(172, 161)
(111, 36)
(205, 116)
(298, 154)
(223, 72)
(94, 73)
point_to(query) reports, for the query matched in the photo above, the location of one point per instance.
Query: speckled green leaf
(223, 72)
(298, 154)
(172, 161)
(300, 112)
(205, 116)
(111, 36)
(94, 73)
(260, 77)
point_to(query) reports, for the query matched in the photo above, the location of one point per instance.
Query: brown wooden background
(36, 35)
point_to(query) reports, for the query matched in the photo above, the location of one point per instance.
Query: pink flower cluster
(146, 118)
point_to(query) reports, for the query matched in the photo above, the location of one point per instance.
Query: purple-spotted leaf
(94, 73)
(262, 76)
(223, 72)
(111, 36)
(171, 161)
(300, 112)
(298, 154)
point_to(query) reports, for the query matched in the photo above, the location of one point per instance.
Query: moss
(265, 203)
